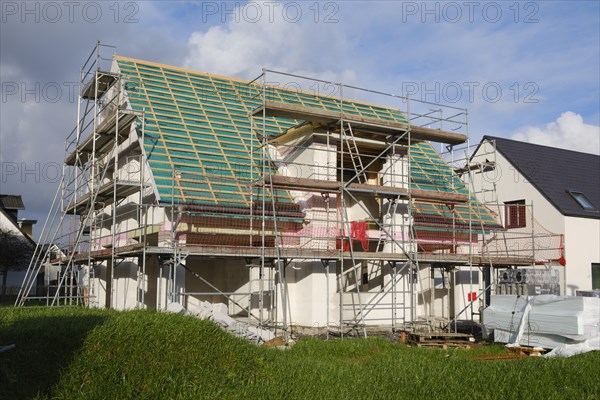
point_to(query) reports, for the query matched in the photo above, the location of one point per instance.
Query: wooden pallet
(440, 340)
(445, 345)
(526, 351)
(501, 357)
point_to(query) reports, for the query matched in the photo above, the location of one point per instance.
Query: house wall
(306, 282)
(465, 280)
(125, 285)
(9, 225)
(511, 185)
(307, 285)
(127, 291)
(582, 238)
(14, 279)
(394, 213)
(229, 275)
(315, 296)
(385, 302)
(308, 290)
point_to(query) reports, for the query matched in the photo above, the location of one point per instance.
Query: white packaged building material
(568, 350)
(543, 321)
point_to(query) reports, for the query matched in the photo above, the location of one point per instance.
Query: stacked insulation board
(542, 321)
(198, 124)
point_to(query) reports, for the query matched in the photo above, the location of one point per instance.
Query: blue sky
(543, 56)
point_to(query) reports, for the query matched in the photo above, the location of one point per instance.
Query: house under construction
(294, 202)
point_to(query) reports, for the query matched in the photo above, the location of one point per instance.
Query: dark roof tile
(11, 202)
(555, 172)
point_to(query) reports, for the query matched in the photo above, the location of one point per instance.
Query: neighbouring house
(559, 188)
(10, 205)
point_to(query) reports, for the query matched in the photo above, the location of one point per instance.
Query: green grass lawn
(76, 353)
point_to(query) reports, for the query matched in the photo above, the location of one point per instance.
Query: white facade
(582, 248)
(8, 224)
(581, 235)
(13, 278)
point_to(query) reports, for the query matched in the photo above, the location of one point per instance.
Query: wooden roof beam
(328, 117)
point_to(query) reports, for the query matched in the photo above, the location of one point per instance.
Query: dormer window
(582, 200)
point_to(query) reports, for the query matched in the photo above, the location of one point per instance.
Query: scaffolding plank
(105, 135)
(484, 166)
(317, 185)
(306, 254)
(104, 196)
(437, 196)
(105, 80)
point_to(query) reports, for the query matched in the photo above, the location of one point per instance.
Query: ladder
(354, 154)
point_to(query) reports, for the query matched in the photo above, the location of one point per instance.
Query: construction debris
(502, 357)
(568, 350)
(215, 313)
(279, 343)
(7, 348)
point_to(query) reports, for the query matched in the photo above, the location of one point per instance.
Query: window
(583, 201)
(364, 277)
(595, 276)
(514, 214)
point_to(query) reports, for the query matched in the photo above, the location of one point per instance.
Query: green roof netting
(198, 124)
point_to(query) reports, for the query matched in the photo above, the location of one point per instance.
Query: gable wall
(511, 185)
(14, 278)
(8, 224)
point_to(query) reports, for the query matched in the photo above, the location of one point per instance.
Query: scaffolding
(101, 192)
(254, 193)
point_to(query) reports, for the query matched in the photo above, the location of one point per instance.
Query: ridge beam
(326, 117)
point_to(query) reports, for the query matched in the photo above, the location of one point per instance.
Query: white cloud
(9, 72)
(567, 132)
(371, 45)
(241, 48)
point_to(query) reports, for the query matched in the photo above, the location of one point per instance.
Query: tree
(15, 253)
